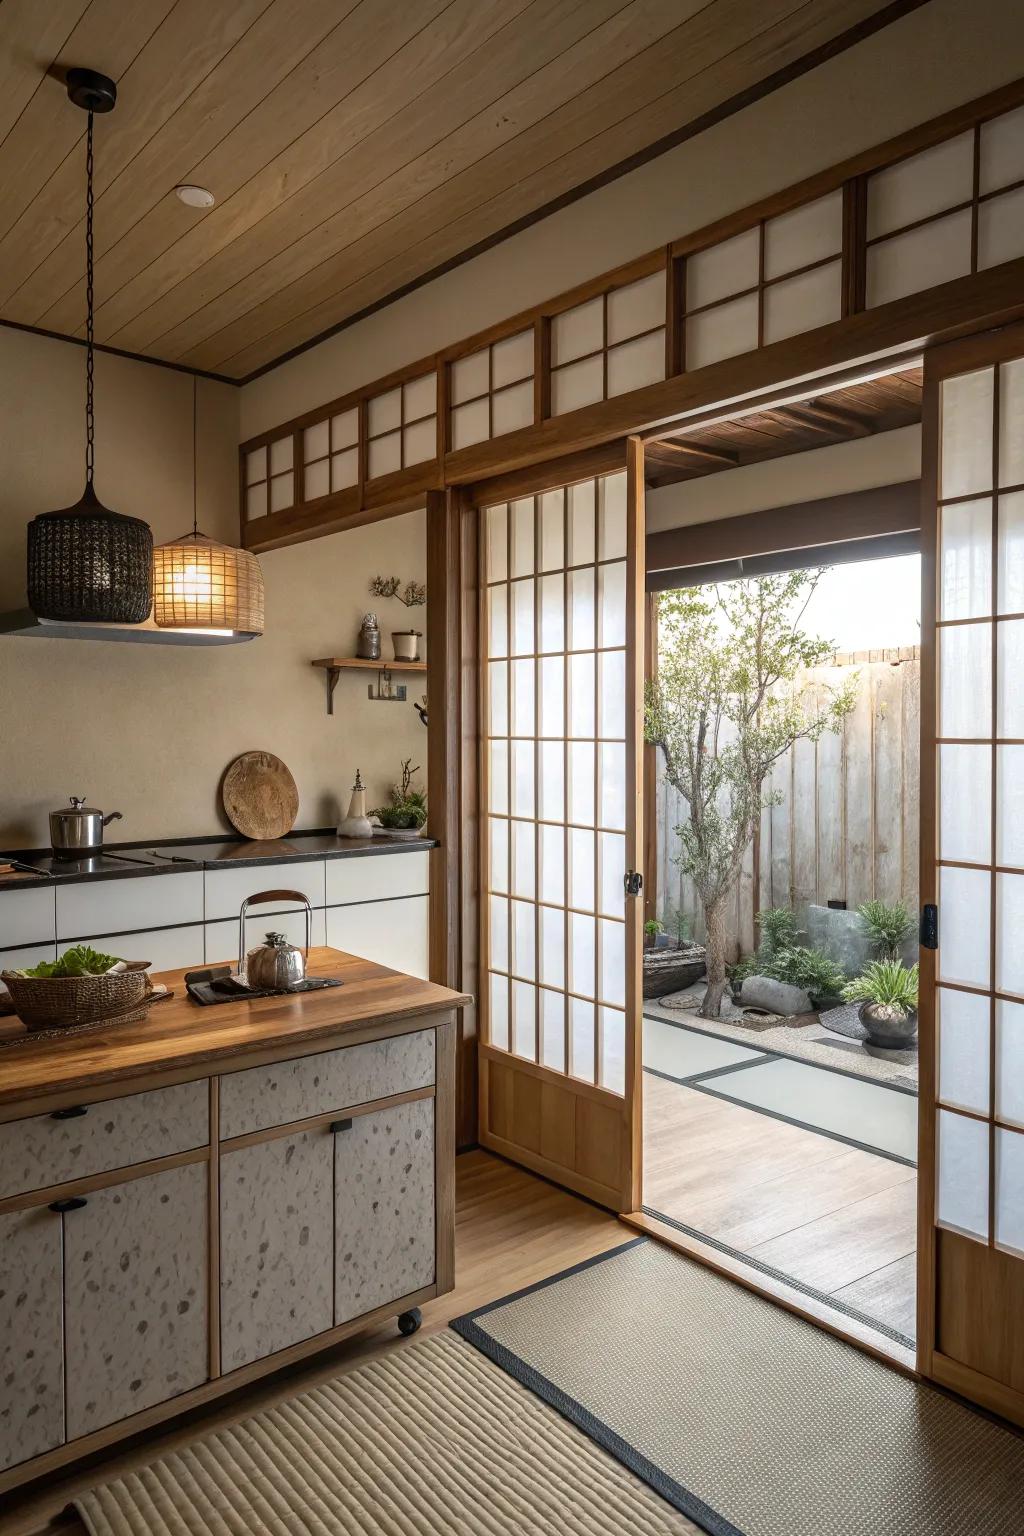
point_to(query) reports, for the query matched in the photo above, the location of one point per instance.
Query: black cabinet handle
(340, 1125)
(74, 1203)
(73, 1112)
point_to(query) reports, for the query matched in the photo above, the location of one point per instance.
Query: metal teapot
(275, 965)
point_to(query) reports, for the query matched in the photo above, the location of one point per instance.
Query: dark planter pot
(891, 1028)
(670, 969)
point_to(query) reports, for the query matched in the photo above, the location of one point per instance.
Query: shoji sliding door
(971, 1329)
(561, 585)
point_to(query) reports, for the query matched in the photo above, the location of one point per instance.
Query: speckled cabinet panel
(291, 1090)
(135, 1278)
(383, 1208)
(276, 1245)
(31, 1341)
(113, 1134)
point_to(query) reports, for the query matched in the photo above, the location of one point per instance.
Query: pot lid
(77, 807)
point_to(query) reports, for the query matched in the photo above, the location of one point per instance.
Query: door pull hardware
(633, 882)
(75, 1203)
(73, 1112)
(339, 1125)
(929, 934)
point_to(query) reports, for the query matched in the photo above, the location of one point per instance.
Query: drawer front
(374, 877)
(166, 949)
(226, 889)
(135, 1287)
(114, 1133)
(383, 1208)
(276, 1245)
(222, 937)
(25, 959)
(392, 933)
(120, 906)
(31, 1336)
(27, 917)
(260, 1097)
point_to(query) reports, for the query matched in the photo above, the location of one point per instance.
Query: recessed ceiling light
(195, 197)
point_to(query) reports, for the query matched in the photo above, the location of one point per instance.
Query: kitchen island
(194, 1200)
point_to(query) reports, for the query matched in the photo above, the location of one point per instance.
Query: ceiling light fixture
(195, 197)
(86, 563)
(201, 586)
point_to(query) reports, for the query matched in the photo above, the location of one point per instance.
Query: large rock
(841, 935)
(773, 996)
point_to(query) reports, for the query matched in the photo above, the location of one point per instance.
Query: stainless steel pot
(79, 829)
(275, 965)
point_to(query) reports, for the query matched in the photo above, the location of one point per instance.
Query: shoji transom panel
(491, 391)
(270, 478)
(980, 831)
(401, 426)
(608, 345)
(957, 207)
(554, 771)
(773, 280)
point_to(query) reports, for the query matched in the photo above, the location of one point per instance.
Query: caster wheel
(410, 1321)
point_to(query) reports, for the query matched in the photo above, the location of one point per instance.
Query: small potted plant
(404, 815)
(887, 994)
(652, 929)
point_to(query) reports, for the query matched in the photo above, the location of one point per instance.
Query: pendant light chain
(90, 425)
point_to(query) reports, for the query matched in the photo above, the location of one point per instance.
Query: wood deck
(830, 1216)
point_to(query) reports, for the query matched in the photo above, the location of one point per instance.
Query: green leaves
(887, 926)
(80, 960)
(886, 982)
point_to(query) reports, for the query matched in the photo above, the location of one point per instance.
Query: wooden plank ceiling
(858, 410)
(353, 146)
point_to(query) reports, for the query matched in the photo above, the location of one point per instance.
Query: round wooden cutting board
(260, 797)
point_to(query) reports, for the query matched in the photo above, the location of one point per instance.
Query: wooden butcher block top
(180, 1039)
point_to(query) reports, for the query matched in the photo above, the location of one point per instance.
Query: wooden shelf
(335, 665)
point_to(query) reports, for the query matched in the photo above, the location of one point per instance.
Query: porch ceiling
(858, 410)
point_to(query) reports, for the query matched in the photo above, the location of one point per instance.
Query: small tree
(724, 709)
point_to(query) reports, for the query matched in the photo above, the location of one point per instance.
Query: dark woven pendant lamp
(86, 563)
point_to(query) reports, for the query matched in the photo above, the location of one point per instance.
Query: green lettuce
(80, 960)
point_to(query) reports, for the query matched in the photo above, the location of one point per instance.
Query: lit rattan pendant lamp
(86, 563)
(202, 586)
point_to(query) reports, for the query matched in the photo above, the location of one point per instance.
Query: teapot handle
(264, 896)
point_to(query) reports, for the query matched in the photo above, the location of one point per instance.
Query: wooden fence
(847, 825)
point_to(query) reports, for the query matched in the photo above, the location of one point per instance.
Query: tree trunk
(714, 919)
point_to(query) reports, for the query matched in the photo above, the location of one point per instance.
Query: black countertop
(120, 861)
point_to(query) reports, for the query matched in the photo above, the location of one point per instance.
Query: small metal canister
(368, 645)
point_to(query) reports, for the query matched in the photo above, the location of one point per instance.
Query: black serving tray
(221, 989)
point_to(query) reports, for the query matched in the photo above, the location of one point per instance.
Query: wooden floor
(511, 1230)
(830, 1216)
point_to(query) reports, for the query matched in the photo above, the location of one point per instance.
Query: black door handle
(929, 934)
(340, 1125)
(73, 1112)
(73, 1203)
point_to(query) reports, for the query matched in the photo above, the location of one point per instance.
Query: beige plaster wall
(148, 730)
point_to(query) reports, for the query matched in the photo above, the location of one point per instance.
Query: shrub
(676, 922)
(778, 930)
(889, 983)
(887, 926)
(781, 957)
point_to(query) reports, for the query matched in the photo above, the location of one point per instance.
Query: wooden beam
(831, 420)
(867, 514)
(676, 453)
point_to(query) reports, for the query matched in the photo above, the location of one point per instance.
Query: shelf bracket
(333, 673)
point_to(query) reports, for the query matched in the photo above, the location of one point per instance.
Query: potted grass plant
(887, 994)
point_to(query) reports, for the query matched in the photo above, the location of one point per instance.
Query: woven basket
(61, 1002)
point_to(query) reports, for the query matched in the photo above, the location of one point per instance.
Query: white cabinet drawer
(373, 877)
(114, 1133)
(117, 906)
(25, 959)
(393, 933)
(260, 1097)
(226, 889)
(222, 938)
(166, 949)
(26, 917)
